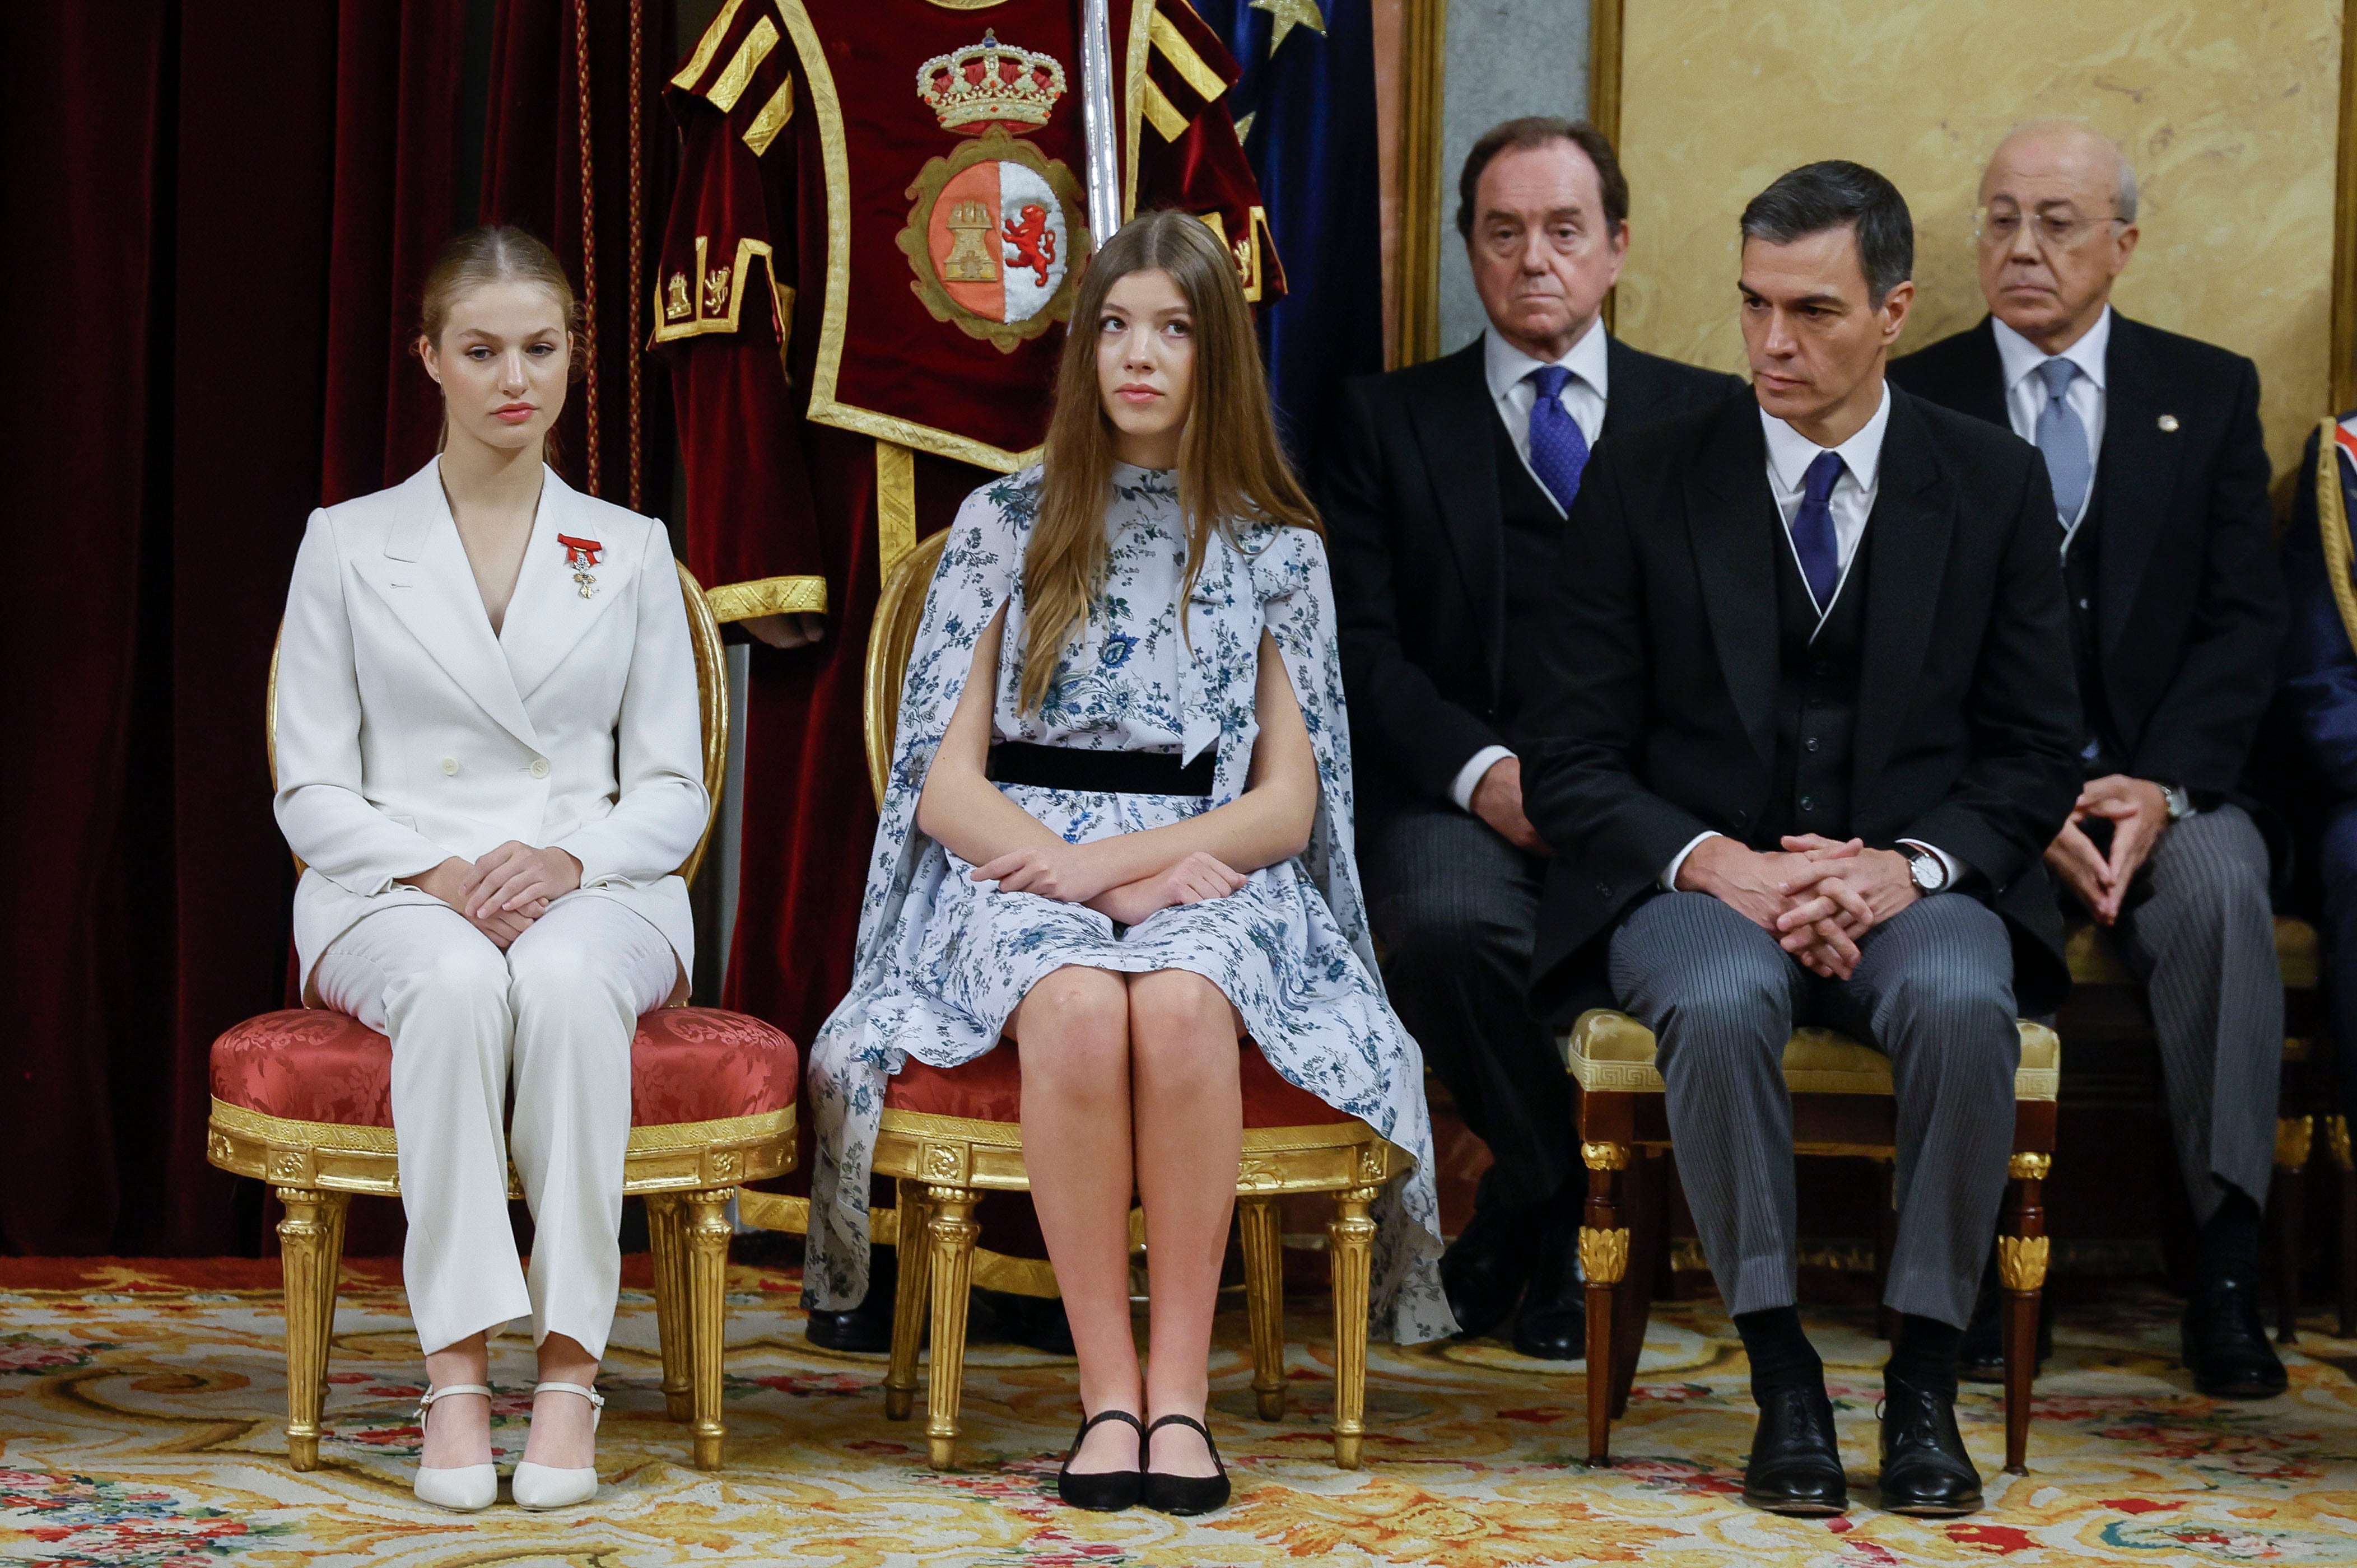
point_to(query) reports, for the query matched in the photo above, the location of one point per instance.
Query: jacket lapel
(424, 578)
(1911, 526)
(1635, 393)
(547, 616)
(1454, 431)
(1731, 520)
(1979, 389)
(2134, 478)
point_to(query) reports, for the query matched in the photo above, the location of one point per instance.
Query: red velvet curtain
(217, 218)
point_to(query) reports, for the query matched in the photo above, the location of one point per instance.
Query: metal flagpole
(1100, 124)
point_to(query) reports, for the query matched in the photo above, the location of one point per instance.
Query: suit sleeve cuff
(1678, 861)
(1468, 778)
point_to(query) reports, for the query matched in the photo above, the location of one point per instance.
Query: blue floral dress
(944, 961)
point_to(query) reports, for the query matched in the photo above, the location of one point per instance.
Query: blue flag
(1305, 110)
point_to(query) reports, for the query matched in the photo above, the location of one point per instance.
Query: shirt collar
(2019, 356)
(1506, 365)
(1790, 453)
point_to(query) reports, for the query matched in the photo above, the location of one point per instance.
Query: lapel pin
(581, 555)
(2168, 422)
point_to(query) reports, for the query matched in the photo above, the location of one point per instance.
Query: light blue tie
(1559, 451)
(2063, 441)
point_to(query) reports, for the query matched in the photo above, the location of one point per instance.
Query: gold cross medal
(581, 555)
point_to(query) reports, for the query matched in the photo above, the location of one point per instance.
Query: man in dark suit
(1808, 728)
(2160, 484)
(1444, 491)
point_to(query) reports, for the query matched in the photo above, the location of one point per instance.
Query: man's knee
(2215, 873)
(1438, 930)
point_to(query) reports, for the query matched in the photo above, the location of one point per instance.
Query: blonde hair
(496, 252)
(1231, 469)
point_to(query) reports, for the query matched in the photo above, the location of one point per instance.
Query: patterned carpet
(140, 1407)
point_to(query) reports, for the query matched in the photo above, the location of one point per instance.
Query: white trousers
(557, 1012)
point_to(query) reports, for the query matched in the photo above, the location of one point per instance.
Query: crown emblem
(990, 84)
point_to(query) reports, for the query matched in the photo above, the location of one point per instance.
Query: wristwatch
(2181, 804)
(1926, 870)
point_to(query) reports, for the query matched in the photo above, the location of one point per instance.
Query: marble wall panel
(2227, 110)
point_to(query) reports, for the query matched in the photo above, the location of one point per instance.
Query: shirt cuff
(1955, 867)
(1678, 861)
(1468, 778)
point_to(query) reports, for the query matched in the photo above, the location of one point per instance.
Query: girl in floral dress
(1120, 837)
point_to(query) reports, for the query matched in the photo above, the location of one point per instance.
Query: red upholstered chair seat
(688, 1064)
(990, 1089)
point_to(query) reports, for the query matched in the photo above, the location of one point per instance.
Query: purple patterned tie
(1559, 451)
(1813, 530)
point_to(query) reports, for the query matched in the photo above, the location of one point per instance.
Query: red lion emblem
(1030, 242)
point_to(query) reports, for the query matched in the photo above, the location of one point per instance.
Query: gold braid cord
(2333, 526)
(637, 230)
(588, 237)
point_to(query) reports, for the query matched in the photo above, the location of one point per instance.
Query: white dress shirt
(2026, 395)
(1790, 453)
(1507, 370)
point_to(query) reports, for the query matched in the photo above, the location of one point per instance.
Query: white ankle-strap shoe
(464, 1489)
(540, 1487)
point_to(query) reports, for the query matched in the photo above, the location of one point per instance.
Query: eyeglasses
(2051, 230)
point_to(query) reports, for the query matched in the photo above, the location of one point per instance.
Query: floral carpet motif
(141, 1407)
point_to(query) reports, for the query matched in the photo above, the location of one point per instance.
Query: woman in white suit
(490, 762)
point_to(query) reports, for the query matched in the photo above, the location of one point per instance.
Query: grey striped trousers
(2203, 943)
(1933, 991)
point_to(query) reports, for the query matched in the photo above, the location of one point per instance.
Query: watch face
(1931, 875)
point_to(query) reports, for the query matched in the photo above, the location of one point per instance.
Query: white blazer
(408, 733)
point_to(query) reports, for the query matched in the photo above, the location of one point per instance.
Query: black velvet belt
(1102, 772)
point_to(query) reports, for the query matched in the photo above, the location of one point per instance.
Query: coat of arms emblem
(996, 226)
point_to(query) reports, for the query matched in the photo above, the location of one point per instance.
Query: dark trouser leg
(1718, 994)
(2338, 854)
(1457, 908)
(1933, 991)
(2203, 943)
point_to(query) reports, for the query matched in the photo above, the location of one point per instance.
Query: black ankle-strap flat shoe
(1102, 1491)
(1185, 1494)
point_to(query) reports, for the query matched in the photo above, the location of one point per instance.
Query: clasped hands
(1078, 874)
(2137, 809)
(1816, 897)
(503, 892)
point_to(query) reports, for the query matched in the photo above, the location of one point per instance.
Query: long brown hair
(496, 252)
(1231, 469)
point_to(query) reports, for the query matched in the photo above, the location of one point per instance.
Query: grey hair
(2126, 201)
(1837, 194)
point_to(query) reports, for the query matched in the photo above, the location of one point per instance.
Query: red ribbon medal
(581, 555)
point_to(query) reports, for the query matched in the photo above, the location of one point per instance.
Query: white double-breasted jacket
(408, 732)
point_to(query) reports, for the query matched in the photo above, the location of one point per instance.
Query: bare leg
(1073, 1028)
(564, 1426)
(458, 1431)
(1188, 1113)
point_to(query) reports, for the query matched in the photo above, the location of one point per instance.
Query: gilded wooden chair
(1842, 1104)
(302, 1099)
(950, 1135)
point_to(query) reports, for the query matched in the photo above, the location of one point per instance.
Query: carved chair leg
(310, 1252)
(2295, 1141)
(950, 1232)
(1646, 1189)
(914, 1245)
(2344, 1161)
(1350, 1248)
(1603, 1263)
(1265, 1300)
(2021, 1253)
(666, 1246)
(705, 1242)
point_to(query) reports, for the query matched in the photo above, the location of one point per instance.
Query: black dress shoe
(1102, 1491)
(1552, 1323)
(1795, 1466)
(1483, 1271)
(1185, 1495)
(1925, 1470)
(2226, 1344)
(868, 1328)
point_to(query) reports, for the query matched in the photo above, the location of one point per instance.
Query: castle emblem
(995, 223)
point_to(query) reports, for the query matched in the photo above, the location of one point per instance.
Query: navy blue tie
(1813, 530)
(1559, 451)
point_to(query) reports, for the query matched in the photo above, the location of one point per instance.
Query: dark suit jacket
(1409, 491)
(1664, 666)
(2319, 667)
(2189, 591)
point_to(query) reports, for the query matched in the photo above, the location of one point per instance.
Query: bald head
(2058, 225)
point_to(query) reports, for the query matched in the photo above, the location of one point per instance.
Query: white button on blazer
(578, 720)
